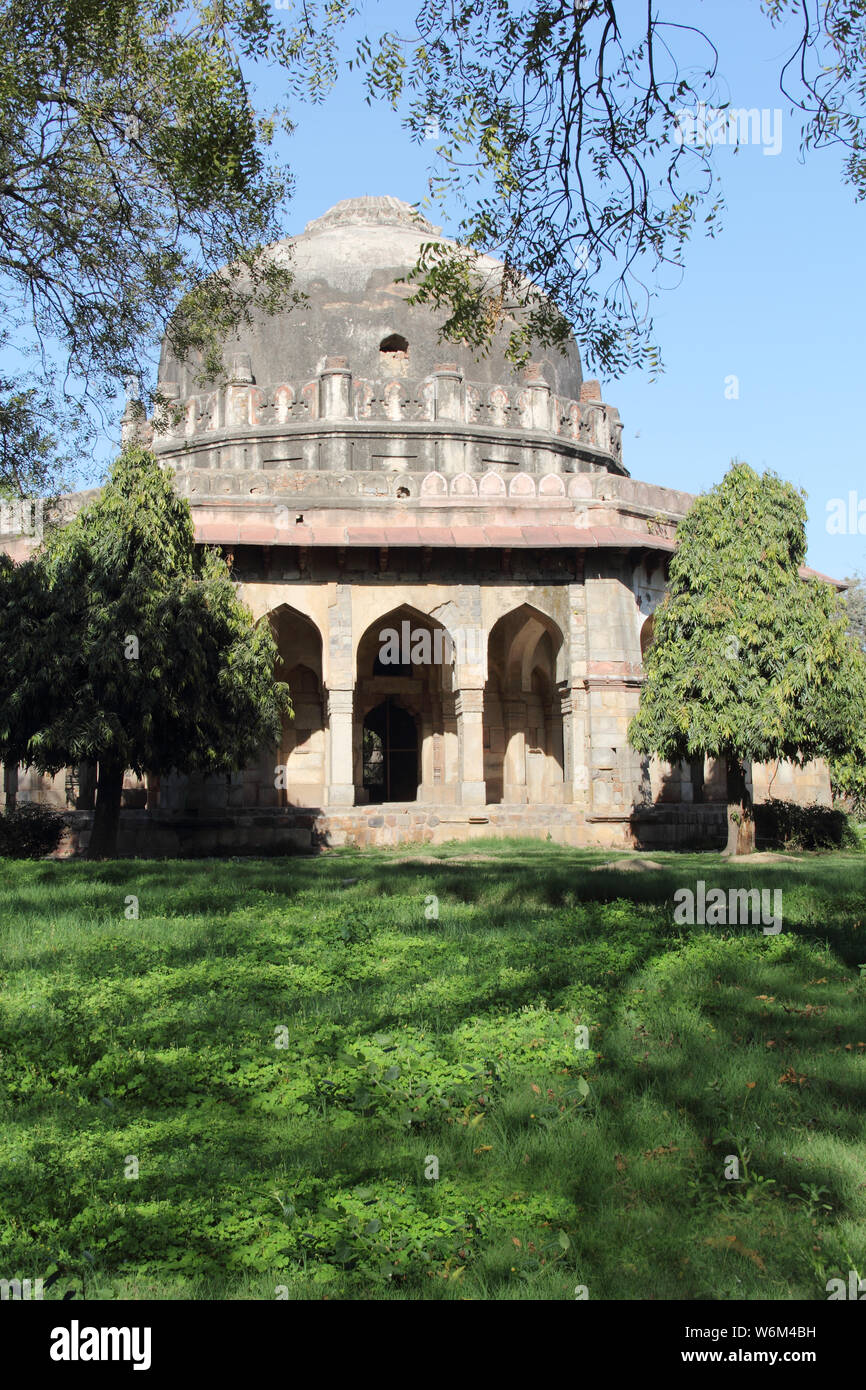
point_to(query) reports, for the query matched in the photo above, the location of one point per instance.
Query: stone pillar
(242, 369)
(575, 752)
(449, 396)
(341, 786)
(335, 404)
(335, 390)
(514, 761)
(616, 775)
(133, 424)
(554, 776)
(451, 751)
(537, 414)
(469, 706)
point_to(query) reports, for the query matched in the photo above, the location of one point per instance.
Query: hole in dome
(395, 346)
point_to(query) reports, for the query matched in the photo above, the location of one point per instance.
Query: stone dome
(348, 263)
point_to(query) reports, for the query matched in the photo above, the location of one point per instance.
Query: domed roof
(369, 211)
(349, 264)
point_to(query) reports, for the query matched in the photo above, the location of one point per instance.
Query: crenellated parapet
(337, 420)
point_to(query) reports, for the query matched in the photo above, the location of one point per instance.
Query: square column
(341, 785)
(469, 707)
(514, 761)
(450, 785)
(574, 745)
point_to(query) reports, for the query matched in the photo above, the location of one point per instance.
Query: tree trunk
(106, 817)
(741, 823)
(10, 785)
(86, 786)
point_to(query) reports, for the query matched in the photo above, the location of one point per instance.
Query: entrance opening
(390, 753)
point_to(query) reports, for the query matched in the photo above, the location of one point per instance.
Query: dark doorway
(390, 753)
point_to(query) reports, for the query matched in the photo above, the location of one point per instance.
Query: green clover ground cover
(289, 1050)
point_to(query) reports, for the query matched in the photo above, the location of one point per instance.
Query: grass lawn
(288, 1051)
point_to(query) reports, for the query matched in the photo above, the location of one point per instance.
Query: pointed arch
(523, 747)
(404, 677)
(295, 773)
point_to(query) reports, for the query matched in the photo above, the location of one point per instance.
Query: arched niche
(523, 743)
(298, 767)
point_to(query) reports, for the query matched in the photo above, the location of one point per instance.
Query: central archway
(391, 762)
(405, 673)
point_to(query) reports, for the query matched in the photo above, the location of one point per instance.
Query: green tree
(557, 137)
(138, 187)
(138, 191)
(848, 777)
(855, 603)
(124, 644)
(848, 772)
(750, 661)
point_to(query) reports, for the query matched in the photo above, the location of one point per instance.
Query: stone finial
(134, 427)
(336, 364)
(590, 391)
(535, 400)
(242, 370)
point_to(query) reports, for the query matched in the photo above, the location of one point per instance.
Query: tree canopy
(560, 137)
(123, 643)
(750, 661)
(139, 185)
(855, 603)
(134, 165)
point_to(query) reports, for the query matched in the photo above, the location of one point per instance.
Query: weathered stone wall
(304, 831)
(781, 781)
(356, 482)
(525, 730)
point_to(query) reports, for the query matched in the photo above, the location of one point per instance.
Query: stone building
(459, 570)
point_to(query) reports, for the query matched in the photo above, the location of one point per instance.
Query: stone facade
(368, 493)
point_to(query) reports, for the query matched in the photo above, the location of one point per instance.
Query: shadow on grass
(705, 1044)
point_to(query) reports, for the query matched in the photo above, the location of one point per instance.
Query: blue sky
(777, 299)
